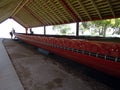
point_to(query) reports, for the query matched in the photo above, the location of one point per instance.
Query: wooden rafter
(43, 12)
(75, 18)
(56, 14)
(52, 13)
(43, 15)
(84, 9)
(19, 22)
(66, 19)
(19, 7)
(75, 11)
(48, 17)
(110, 6)
(60, 13)
(96, 8)
(31, 13)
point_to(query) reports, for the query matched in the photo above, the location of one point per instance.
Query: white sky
(6, 27)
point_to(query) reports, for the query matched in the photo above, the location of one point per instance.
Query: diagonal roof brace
(19, 22)
(31, 13)
(80, 3)
(93, 2)
(75, 11)
(111, 8)
(66, 6)
(19, 7)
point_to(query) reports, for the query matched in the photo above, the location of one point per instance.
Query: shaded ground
(49, 72)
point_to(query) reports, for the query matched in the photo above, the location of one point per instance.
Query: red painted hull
(107, 66)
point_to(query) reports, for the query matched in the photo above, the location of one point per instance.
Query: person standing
(31, 32)
(13, 30)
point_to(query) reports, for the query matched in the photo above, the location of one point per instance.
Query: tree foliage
(116, 26)
(62, 29)
(102, 26)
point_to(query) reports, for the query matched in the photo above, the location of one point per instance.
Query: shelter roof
(32, 13)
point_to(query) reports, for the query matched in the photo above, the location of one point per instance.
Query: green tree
(116, 26)
(102, 26)
(62, 29)
(84, 26)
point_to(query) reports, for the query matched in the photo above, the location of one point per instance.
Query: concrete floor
(49, 72)
(8, 77)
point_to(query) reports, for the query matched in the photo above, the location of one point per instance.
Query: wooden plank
(19, 7)
(110, 6)
(96, 8)
(66, 6)
(76, 12)
(34, 16)
(84, 9)
(77, 29)
(44, 30)
(42, 14)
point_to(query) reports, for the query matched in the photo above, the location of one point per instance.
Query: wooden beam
(19, 7)
(57, 18)
(77, 29)
(66, 6)
(49, 13)
(84, 9)
(111, 8)
(42, 9)
(75, 11)
(59, 10)
(44, 30)
(31, 13)
(18, 22)
(26, 30)
(53, 5)
(96, 8)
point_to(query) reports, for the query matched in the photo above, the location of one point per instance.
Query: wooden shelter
(103, 56)
(33, 13)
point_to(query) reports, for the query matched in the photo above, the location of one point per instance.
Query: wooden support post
(44, 30)
(77, 29)
(26, 30)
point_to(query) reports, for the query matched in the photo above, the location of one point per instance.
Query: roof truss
(32, 13)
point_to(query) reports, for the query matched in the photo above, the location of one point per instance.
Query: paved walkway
(8, 77)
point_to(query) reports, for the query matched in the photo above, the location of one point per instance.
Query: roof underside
(33, 13)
